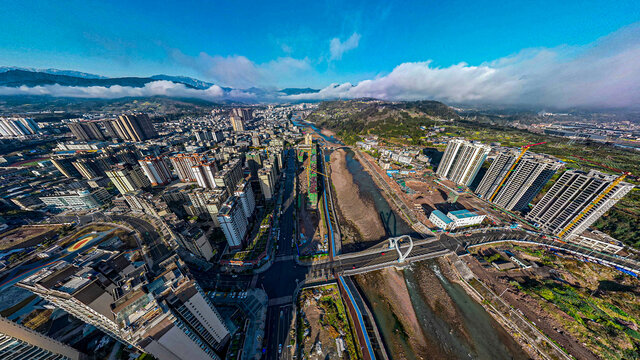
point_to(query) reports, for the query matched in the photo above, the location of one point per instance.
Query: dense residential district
(292, 232)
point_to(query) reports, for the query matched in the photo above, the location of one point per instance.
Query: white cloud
(604, 73)
(338, 47)
(238, 71)
(155, 88)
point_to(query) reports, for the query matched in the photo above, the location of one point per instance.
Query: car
(353, 267)
(382, 253)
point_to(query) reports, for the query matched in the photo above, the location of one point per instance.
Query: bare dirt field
(26, 236)
(355, 209)
(324, 330)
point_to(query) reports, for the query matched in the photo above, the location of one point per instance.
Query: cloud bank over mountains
(155, 88)
(605, 73)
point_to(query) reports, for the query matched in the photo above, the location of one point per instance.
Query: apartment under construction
(576, 200)
(514, 187)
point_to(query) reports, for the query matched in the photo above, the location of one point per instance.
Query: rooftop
(440, 215)
(461, 214)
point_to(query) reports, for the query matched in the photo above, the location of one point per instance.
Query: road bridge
(383, 255)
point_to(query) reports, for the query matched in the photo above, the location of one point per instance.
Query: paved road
(281, 279)
(149, 236)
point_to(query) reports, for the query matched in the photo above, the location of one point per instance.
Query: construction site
(312, 240)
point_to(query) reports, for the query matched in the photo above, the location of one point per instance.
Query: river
(451, 323)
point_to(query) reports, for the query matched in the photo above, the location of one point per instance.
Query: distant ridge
(16, 78)
(73, 73)
(11, 76)
(298, 91)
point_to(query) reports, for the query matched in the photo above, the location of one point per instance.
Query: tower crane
(523, 150)
(591, 205)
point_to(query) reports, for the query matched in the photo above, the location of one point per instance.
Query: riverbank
(392, 194)
(361, 220)
(428, 316)
(569, 300)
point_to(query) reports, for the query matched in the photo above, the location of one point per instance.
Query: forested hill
(368, 116)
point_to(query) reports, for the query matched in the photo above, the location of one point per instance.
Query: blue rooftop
(460, 214)
(440, 215)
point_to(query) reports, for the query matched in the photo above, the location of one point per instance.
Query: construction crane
(616, 182)
(522, 152)
(317, 172)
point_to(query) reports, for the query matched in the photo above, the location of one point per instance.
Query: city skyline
(284, 180)
(557, 55)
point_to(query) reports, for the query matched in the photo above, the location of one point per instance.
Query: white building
(233, 222)
(462, 160)
(455, 219)
(439, 219)
(570, 203)
(156, 170)
(127, 178)
(463, 218)
(244, 193)
(15, 127)
(78, 200)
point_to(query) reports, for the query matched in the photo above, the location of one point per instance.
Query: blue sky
(295, 43)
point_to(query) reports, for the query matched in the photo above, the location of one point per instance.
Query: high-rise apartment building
(65, 166)
(237, 123)
(156, 170)
(242, 113)
(570, 195)
(201, 201)
(462, 160)
(245, 196)
(204, 135)
(230, 175)
(218, 136)
(86, 130)
(19, 342)
(205, 173)
(184, 163)
(165, 314)
(255, 140)
(131, 127)
(308, 139)
(520, 187)
(267, 180)
(238, 117)
(195, 241)
(16, 127)
(254, 161)
(86, 168)
(233, 222)
(128, 178)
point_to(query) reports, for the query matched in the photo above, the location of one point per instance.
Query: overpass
(386, 255)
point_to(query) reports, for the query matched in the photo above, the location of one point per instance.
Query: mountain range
(15, 77)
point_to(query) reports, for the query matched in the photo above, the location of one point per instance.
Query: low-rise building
(455, 219)
(77, 200)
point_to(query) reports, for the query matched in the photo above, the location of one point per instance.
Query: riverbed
(376, 205)
(426, 316)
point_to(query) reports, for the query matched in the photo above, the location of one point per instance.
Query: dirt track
(356, 210)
